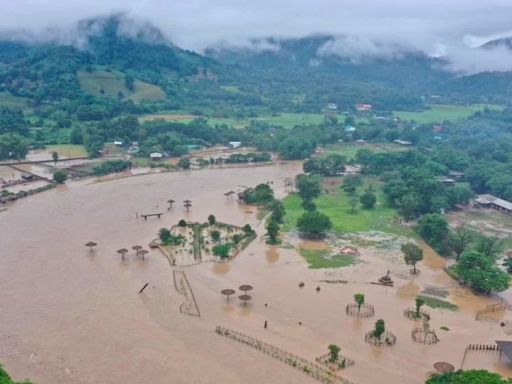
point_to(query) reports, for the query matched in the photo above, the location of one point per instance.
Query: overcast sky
(368, 27)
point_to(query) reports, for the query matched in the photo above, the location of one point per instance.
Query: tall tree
(460, 239)
(308, 187)
(314, 224)
(412, 254)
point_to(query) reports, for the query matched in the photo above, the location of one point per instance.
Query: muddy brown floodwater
(73, 316)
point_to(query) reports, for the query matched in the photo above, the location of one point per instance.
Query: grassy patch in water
(438, 303)
(323, 258)
(336, 205)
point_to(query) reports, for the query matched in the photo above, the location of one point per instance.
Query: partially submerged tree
(412, 254)
(272, 231)
(212, 220)
(165, 235)
(359, 299)
(480, 272)
(60, 176)
(419, 302)
(278, 211)
(334, 351)
(467, 377)
(460, 239)
(380, 328)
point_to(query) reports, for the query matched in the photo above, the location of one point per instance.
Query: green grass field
(336, 206)
(286, 120)
(349, 150)
(440, 113)
(438, 303)
(111, 84)
(323, 258)
(8, 100)
(68, 150)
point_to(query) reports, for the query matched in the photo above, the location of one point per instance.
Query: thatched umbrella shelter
(122, 252)
(187, 204)
(143, 253)
(245, 298)
(444, 367)
(137, 249)
(245, 288)
(170, 201)
(91, 245)
(229, 194)
(228, 292)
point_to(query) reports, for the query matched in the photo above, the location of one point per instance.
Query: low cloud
(369, 28)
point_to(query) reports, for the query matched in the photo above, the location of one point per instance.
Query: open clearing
(67, 150)
(336, 205)
(110, 84)
(442, 112)
(8, 100)
(349, 150)
(286, 120)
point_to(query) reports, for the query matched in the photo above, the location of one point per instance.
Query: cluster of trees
(478, 270)
(468, 377)
(111, 166)
(248, 158)
(167, 238)
(312, 223)
(261, 195)
(6, 379)
(276, 218)
(329, 165)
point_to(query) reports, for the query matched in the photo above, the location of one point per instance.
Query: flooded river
(75, 317)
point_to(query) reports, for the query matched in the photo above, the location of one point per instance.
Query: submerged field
(440, 113)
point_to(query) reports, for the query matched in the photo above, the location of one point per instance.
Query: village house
(402, 142)
(156, 156)
(352, 170)
(490, 201)
(456, 175)
(235, 144)
(446, 180)
(363, 107)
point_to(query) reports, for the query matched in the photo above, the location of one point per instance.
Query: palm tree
(122, 252)
(91, 245)
(187, 204)
(170, 201)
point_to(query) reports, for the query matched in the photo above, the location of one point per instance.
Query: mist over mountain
(297, 74)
